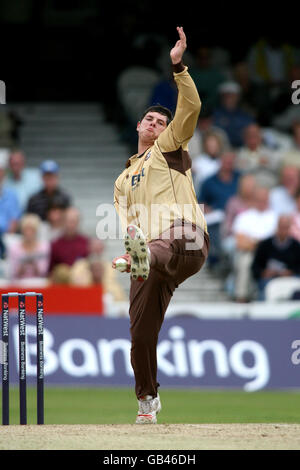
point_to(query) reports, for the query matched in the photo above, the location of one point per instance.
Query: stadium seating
(281, 288)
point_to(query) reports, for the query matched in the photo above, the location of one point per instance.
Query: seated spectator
(61, 274)
(270, 64)
(218, 188)
(242, 201)
(24, 181)
(277, 256)
(295, 219)
(207, 77)
(91, 270)
(292, 156)
(282, 198)
(204, 125)
(237, 204)
(72, 245)
(270, 61)
(102, 272)
(164, 92)
(277, 141)
(242, 77)
(80, 273)
(85, 271)
(53, 227)
(208, 162)
(229, 116)
(39, 202)
(95, 260)
(214, 194)
(29, 256)
(257, 159)
(249, 228)
(9, 205)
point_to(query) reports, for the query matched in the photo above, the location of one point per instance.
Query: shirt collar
(128, 163)
(282, 244)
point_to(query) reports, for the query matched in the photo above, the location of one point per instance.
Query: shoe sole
(148, 419)
(136, 247)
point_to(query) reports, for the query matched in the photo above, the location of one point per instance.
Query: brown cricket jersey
(157, 188)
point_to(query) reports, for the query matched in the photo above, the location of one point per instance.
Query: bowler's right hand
(127, 258)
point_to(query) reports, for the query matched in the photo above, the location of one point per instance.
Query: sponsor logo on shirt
(136, 178)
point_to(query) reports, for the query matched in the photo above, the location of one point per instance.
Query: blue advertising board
(246, 354)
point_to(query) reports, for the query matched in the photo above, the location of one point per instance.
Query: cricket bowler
(166, 238)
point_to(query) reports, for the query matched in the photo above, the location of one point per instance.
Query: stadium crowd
(245, 161)
(245, 153)
(40, 238)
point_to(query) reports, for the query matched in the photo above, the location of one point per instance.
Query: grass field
(119, 406)
(101, 418)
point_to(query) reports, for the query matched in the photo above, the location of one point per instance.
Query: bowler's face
(151, 126)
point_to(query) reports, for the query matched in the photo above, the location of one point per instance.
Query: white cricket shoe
(136, 247)
(148, 409)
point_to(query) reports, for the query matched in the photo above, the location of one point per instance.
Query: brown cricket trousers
(172, 261)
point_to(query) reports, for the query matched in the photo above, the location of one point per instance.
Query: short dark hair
(56, 202)
(159, 109)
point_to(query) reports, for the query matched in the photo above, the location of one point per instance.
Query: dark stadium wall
(57, 50)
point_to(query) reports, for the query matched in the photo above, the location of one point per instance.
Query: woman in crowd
(208, 162)
(28, 257)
